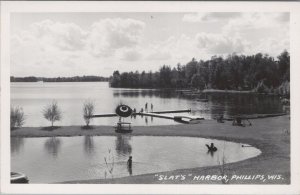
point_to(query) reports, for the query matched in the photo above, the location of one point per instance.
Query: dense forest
(260, 72)
(59, 79)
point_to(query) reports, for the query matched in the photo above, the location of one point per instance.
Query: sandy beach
(267, 134)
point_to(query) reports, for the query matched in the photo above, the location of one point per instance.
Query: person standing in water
(129, 162)
(212, 147)
(129, 165)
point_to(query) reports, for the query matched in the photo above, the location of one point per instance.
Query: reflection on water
(123, 146)
(129, 170)
(89, 146)
(53, 146)
(233, 104)
(71, 96)
(146, 120)
(211, 153)
(16, 144)
(80, 158)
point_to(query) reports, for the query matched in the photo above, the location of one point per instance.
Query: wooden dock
(137, 113)
(171, 111)
(104, 115)
(162, 114)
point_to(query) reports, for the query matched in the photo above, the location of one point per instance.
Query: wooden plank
(104, 115)
(171, 111)
(155, 115)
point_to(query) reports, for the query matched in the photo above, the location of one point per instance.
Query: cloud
(129, 55)
(283, 17)
(65, 36)
(159, 56)
(246, 33)
(271, 46)
(179, 48)
(210, 17)
(57, 48)
(108, 35)
(257, 20)
(220, 44)
(50, 47)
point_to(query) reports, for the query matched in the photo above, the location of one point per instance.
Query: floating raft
(180, 119)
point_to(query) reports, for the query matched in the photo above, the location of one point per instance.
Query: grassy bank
(268, 134)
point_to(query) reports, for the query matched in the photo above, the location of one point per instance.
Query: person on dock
(146, 107)
(151, 107)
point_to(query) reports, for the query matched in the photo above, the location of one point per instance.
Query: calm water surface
(33, 97)
(56, 159)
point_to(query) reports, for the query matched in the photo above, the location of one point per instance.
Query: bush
(88, 112)
(52, 113)
(261, 88)
(17, 117)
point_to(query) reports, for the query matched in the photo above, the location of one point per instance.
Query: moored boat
(18, 178)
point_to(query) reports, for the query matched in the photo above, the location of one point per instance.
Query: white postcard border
(164, 6)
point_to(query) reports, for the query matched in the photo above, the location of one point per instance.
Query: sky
(71, 44)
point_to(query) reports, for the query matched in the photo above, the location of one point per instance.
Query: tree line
(59, 79)
(259, 72)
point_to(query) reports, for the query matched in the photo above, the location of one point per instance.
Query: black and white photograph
(159, 96)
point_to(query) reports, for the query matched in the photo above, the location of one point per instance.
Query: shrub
(17, 117)
(88, 112)
(52, 113)
(261, 88)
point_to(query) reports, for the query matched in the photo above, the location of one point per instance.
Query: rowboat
(18, 178)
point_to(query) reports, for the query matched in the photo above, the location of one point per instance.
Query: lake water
(57, 159)
(33, 97)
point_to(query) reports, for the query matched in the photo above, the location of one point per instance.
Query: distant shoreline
(55, 81)
(88, 78)
(184, 91)
(267, 134)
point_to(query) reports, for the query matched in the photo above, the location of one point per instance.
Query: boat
(18, 178)
(188, 119)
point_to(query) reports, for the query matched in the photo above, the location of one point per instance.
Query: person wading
(129, 165)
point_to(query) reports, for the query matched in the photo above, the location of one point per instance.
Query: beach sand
(267, 134)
